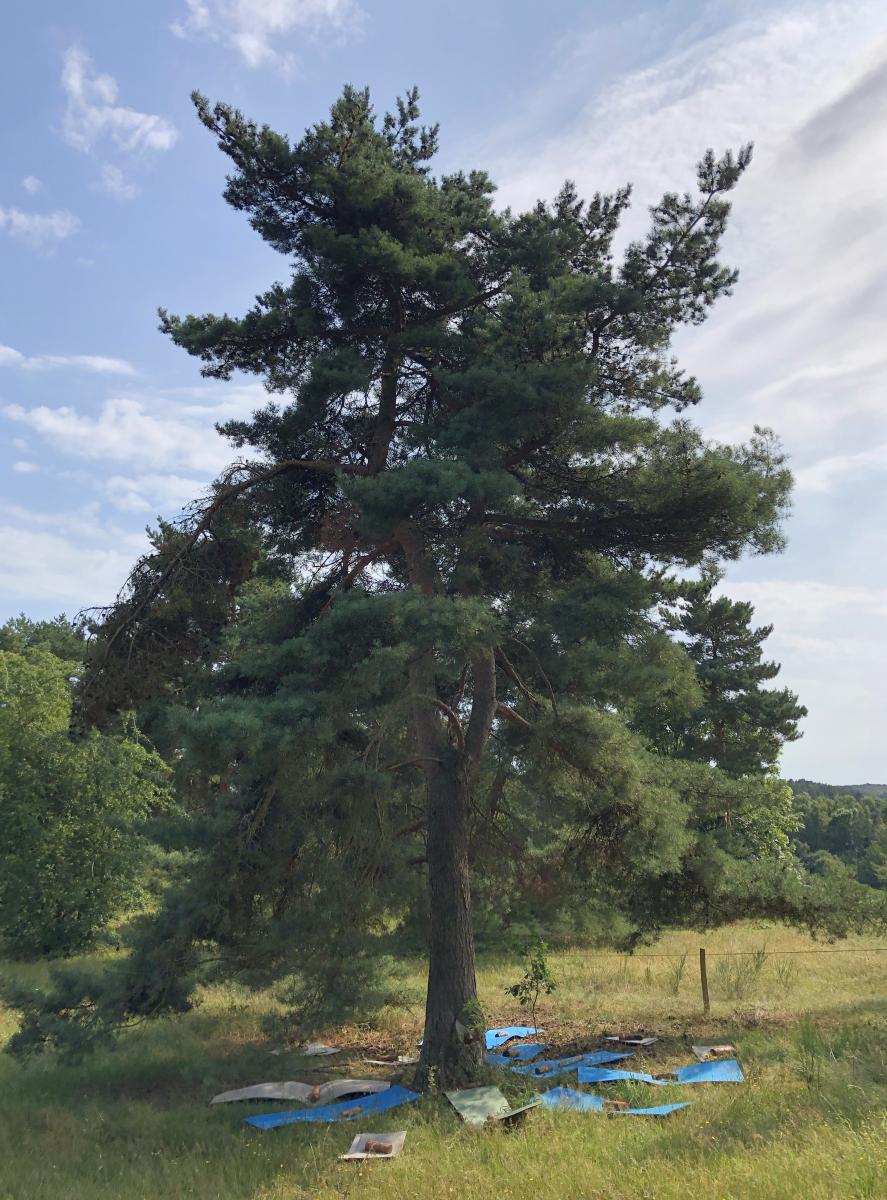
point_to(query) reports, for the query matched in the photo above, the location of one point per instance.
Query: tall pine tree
(469, 493)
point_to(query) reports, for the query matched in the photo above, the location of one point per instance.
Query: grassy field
(809, 1123)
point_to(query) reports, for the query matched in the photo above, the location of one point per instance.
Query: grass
(809, 1123)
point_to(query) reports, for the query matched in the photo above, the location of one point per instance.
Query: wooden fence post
(703, 975)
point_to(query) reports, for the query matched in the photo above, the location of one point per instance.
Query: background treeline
(847, 823)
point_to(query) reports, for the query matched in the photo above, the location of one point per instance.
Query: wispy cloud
(113, 181)
(93, 115)
(41, 231)
(67, 559)
(255, 28)
(31, 184)
(98, 363)
(23, 467)
(126, 429)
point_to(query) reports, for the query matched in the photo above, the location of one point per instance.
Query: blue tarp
(603, 1075)
(564, 1097)
(520, 1054)
(661, 1110)
(504, 1033)
(391, 1098)
(561, 1066)
(727, 1070)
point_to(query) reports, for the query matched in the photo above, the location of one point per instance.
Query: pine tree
(740, 725)
(466, 498)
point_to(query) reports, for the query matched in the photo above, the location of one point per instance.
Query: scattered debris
(606, 1075)
(497, 1037)
(314, 1048)
(706, 1053)
(632, 1041)
(375, 1145)
(521, 1053)
(560, 1066)
(402, 1060)
(478, 1105)
(725, 1070)
(661, 1110)
(322, 1093)
(564, 1097)
(391, 1097)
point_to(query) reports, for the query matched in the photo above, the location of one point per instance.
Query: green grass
(809, 1123)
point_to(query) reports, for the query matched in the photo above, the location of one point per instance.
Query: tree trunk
(453, 1046)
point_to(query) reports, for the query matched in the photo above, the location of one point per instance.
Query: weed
(537, 979)
(736, 976)
(674, 975)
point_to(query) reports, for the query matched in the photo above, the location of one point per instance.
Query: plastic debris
(605, 1075)
(725, 1070)
(517, 1054)
(315, 1048)
(562, 1066)
(504, 1033)
(564, 1097)
(632, 1041)
(478, 1105)
(308, 1093)
(391, 1097)
(375, 1145)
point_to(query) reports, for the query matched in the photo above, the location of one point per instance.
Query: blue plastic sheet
(560, 1066)
(565, 1097)
(391, 1098)
(504, 1033)
(726, 1070)
(661, 1110)
(604, 1075)
(520, 1054)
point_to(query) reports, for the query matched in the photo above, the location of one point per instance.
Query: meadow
(810, 1122)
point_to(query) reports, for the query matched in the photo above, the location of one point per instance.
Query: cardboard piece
(504, 1033)
(371, 1145)
(707, 1053)
(605, 1075)
(308, 1093)
(345, 1110)
(561, 1066)
(478, 1105)
(725, 1070)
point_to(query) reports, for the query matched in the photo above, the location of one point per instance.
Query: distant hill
(837, 789)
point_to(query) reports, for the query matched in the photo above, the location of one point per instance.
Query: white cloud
(69, 559)
(255, 27)
(24, 468)
(153, 492)
(124, 430)
(31, 184)
(98, 363)
(821, 476)
(113, 181)
(41, 231)
(828, 638)
(10, 357)
(93, 115)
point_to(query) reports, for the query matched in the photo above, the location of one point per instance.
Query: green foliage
(837, 824)
(72, 811)
(738, 724)
(536, 980)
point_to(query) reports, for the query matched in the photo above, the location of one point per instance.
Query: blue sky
(110, 206)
